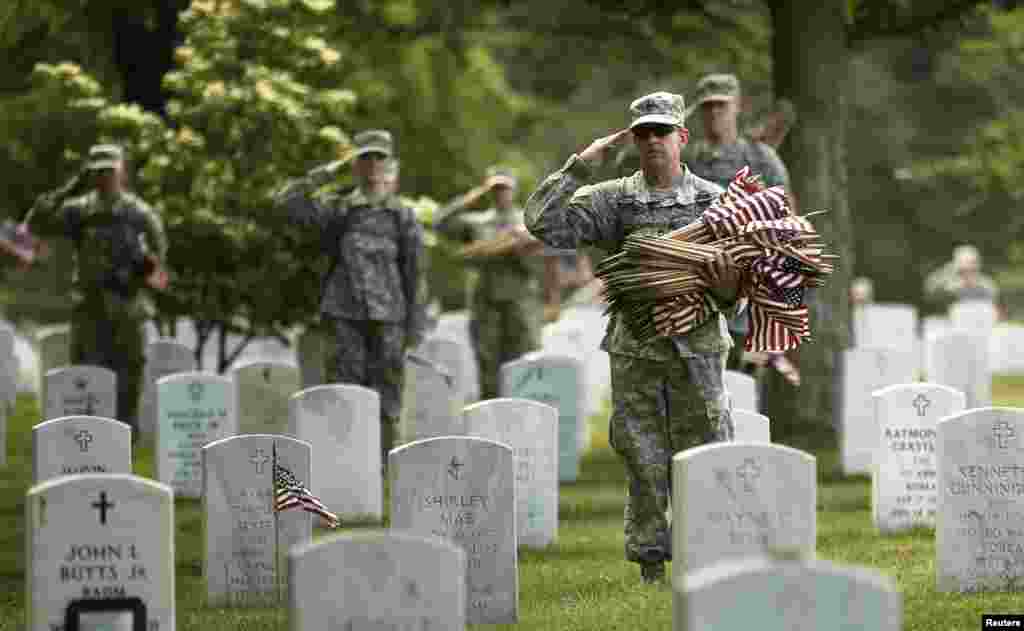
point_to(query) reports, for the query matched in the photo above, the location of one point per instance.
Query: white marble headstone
(979, 532)
(100, 551)
(80, 391)
(751, 427)
(342, 424)
(8, 365)
(463, 489)
(864, 371)
(242, 529)
(263, 390)
(54, 351)
(742, 390)
(597, 364)
(568, 339)
(785, 596)
(892, 326)
(1006, 349)
(80, 444)
(974, 316)
(451, 354)
(455, 325)
(430, 400)
(960, 360)
(378, 580)
(558, 381)
(531, 429)
(312, 353)
(903, 485)
(164, 356)
(732, 500)
(192, 409)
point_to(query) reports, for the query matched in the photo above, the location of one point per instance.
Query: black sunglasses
(645, 131)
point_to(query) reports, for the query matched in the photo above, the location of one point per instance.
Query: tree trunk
(810, 66)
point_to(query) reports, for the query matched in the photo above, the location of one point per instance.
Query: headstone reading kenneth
(193, 409)
(430, 401)
(960, 360)
(312, 353)
(385, 580)
(903, 486)
(100, 554)
(340, 422)
(979, 531)
(785, 596)
(751, 427)
(80, 444)
(80, 391)
(867, 370)
(892, 326)
(463, 489)
(742, 390)
(731, 500)
(163, 357)
(54, 351)
(242, 529)
(557, 381)
(263, 390)
(531, 429)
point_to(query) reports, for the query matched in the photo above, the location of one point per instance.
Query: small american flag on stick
(289, 493)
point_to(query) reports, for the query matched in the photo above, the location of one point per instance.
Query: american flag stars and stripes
(289, 493)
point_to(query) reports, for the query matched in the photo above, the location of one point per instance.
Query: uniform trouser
(370, 353)
(658, 410)
(500, 332)
(108, 331)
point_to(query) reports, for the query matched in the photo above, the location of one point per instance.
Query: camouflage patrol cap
(504, 173)
(717, 87)
(374, 141)
(104, 157)
(660, 108)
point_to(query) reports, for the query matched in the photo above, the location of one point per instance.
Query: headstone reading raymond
(386, 581)
(100, 554)
(531, 429)
(557, 381)
(463, 489)
(80, 391)
(263, 389)
(979, 535)
(751, 427)
(163, 357)
(731, 500)
(338, 421)
(742, 390)
(959, 359)
(867, 370)
(193, 409)
(80, 444)
(242, 530)
(903, 483)
(54, 351)
(430, 402)
(785, 596)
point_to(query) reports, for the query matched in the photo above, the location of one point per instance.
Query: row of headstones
(97, 537)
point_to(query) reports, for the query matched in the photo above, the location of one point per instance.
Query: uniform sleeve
(296, 199)
(773, 171)
(937, 284)
(413, 259)
(565, 214)
(156, 236)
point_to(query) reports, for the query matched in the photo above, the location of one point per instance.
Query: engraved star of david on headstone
(1002, 432)
(259, 458)
(748, 472)
(453, 468)
(83, 438)
(195, 391)
(921, 404)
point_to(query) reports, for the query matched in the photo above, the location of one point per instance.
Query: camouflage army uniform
(944, 287)
(506, 305)
(111, 236)
(667, 396)
(370, 301)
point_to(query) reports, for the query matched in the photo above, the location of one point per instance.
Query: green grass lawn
(582, 582)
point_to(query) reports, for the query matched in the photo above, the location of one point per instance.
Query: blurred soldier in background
(120, 245)
(960, 280)
(371, 301)
(514, 293)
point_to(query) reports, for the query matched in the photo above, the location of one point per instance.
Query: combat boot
(652, 573)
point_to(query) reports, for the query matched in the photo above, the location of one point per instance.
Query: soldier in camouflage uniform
(667, 395)
(506, 307)
(371, 306)
(721, 154)
(119, 244)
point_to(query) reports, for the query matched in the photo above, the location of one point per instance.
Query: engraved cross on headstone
(83, 438)
(259, 459)
(921, 404)
(1002, 432)
(103, 506)
(748, 472)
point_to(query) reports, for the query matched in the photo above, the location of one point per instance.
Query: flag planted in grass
(660, 285)
(289, 493)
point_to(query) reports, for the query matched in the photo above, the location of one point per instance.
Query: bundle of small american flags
(289, 493)
(660, 284)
